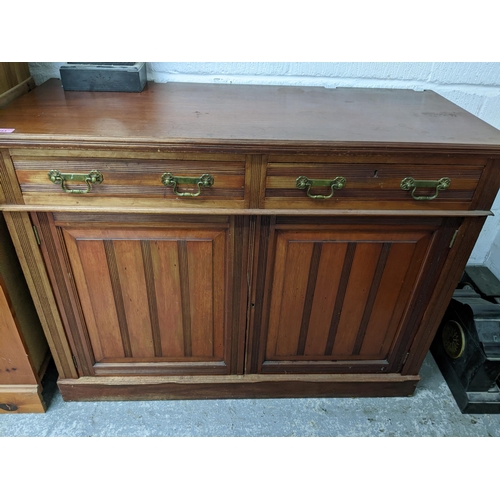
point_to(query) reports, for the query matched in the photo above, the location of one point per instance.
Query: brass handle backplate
(169, 180)
(410, 183)
(93, 177)
(303, 182)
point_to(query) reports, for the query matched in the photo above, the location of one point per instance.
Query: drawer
(366, 183)
(135, 180)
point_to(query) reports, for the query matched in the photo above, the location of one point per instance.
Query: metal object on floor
(483, 282)
(467, 344)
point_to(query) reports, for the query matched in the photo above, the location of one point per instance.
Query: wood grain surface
(146, 297)
(251, 289)
(15, 81)
(341, 296)
(246, 114)
(237, 386)
(371, 185)
(129, 178)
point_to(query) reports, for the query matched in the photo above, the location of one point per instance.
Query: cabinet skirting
(237, 387)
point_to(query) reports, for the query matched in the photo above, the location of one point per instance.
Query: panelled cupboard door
(342, 295)
(144, 296)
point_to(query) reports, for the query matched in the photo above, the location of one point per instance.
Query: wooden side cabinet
(24, 352)
(224, 241)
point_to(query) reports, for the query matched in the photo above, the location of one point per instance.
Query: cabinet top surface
(244, 114)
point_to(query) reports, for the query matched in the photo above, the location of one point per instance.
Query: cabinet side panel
(442, 292)
(488, 185)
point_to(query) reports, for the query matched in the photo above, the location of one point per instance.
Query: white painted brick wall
(493, 256)
(466, 73)
(473, 86)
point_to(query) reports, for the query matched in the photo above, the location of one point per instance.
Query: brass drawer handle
(206, 180)
(93, 177)
(409, 183)
(303, 182)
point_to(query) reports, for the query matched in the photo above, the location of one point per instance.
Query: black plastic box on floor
(104, 77)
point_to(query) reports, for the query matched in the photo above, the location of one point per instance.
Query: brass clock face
(453, 339)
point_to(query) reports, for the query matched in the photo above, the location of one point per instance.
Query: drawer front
(134, 181)
(366, 183)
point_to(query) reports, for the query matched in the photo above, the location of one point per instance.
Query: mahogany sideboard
(226, 241)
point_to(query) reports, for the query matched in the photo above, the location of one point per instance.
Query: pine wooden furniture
(24, 352)
(207, 241)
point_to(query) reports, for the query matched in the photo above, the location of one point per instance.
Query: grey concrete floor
(432, 411)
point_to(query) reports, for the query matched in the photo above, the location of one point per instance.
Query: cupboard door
(151, 298)
(342, 296)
